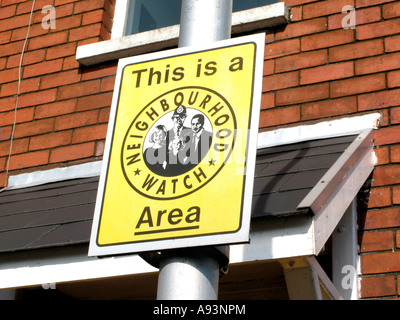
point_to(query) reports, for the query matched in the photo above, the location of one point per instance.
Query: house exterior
(331, 70)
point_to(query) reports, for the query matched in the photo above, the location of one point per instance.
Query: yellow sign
(176, 165)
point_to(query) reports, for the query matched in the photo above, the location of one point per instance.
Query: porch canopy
(302, 189)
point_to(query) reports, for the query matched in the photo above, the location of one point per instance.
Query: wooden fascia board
(316, 199)
(329, 215)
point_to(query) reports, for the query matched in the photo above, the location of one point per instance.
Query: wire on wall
(18, 94)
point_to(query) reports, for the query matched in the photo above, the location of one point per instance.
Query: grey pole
(193, 274)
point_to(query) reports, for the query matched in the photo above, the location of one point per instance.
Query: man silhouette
(198, 141)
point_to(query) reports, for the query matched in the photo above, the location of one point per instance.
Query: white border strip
(86, 170)
(321, 130)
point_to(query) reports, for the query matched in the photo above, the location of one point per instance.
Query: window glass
(147, 15)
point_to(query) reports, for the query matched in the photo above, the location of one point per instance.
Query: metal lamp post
(193, 273)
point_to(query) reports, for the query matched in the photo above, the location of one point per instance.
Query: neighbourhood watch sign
(178, 165)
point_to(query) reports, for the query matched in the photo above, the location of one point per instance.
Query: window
(136, 27)
(145, 15)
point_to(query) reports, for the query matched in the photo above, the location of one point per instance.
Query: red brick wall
(314, 69)
(63, 108)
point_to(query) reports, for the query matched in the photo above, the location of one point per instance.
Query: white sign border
(242, 235)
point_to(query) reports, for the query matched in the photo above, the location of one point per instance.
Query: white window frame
(121, 45)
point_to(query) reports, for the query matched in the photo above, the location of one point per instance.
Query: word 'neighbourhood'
(178, 146)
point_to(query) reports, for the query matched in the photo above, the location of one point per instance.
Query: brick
(327, 39)
(395, 115)
(387, 135)
(11, 88)
(395, 154)
(381, 262)
(3, 62)
(301, 28)
(79, 90)
(99, 71)
(379, 197)
(5, 133)
(92, 133)
(33, 128)
(327, 73)
(9, 75)
(71, 63)
(23, 115)
(7, 104)
(92, 17)
(35, 31)
(382, 218)
(382, 155)
(7, 12)
(363, 16)
(377, 64)
(301, 60)
(9, 49)
(386, 175)
(292, 3)
(356, 50)
(37, 98)
(73, 152)
(396, 195)
(30, 57)
(378, 29)
(392, 44)
(43, 68)
(50, 140)
(328, 108)
(378, 286)
(282, 48)
(267, 100)
(76, 120)
(104, 115)
(19, 146)
(60, 79)
(391, 10)
(15, 22)
(379, 100)
(88, 5)
(280, 81)
(68, 22)
(52, 39)
(377, 241)
(107, 84)
(63, 50)
(398, 239)
(28, 160)
(55, 109)
(367, 3)
(95, 101)
(302, 94)
(323, 8)
(85, 32)
(274, 117)
(393, 79)
(5, 37)
(358, 85)
(269, 67)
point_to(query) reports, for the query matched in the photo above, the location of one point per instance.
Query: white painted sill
(164, 38)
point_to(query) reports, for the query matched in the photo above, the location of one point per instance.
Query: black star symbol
(137, 172)
(211, 162)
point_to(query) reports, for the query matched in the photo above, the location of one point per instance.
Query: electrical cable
(17, 97)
